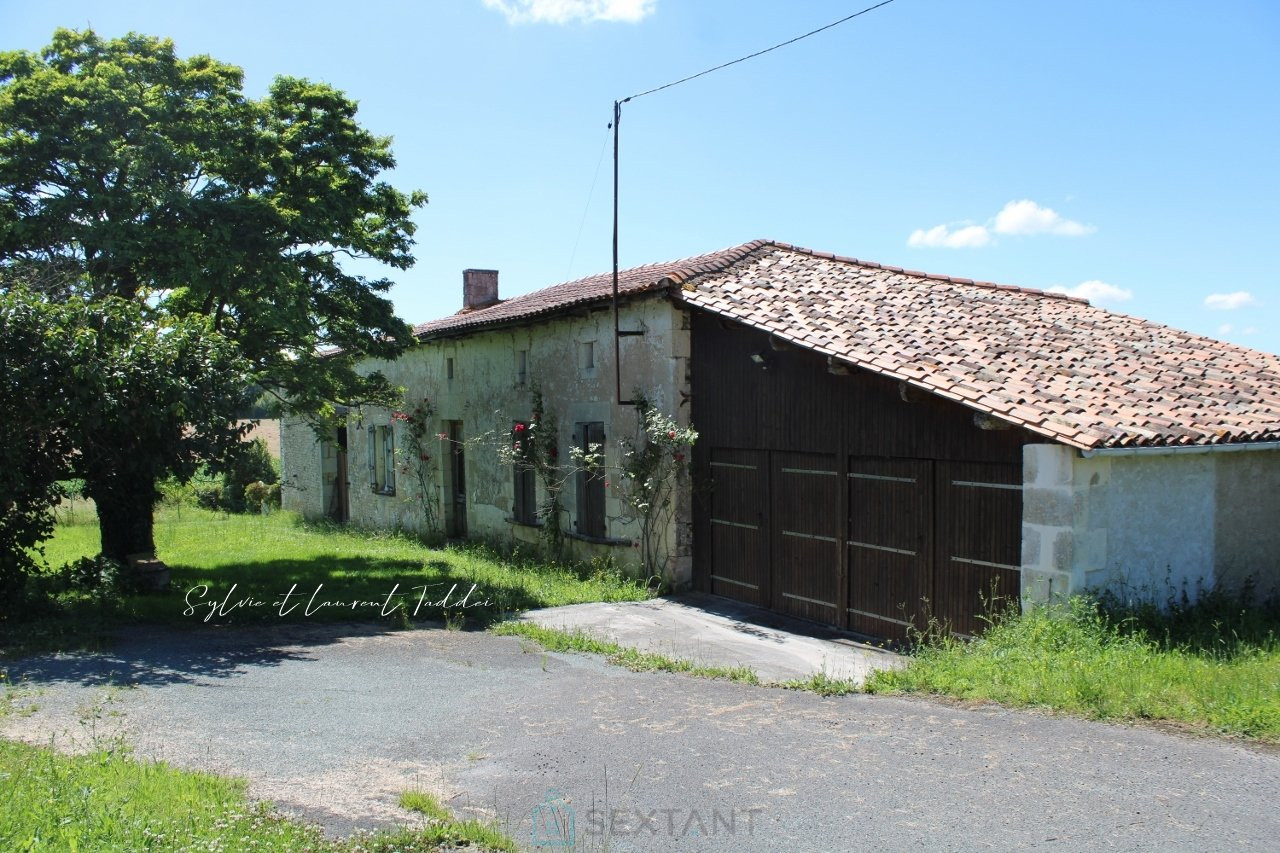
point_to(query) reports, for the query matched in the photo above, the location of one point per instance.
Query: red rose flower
(671, 434)
(519, 427)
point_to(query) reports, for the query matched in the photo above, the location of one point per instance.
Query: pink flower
(519, 427)
(442, 436)
(671, 433)
(606, 484)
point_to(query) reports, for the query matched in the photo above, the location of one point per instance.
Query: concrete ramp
(714, 631)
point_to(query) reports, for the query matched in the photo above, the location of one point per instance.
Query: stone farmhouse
(876, 446)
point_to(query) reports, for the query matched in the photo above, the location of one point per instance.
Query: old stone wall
(1149, 526)
(301, 477)
(477, 380)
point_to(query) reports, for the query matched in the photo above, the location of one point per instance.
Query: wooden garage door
(890, 545)
(979, 531)
(739, 525)
(806, 529)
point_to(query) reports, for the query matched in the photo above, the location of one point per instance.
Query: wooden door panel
(890, 545)
(806, 535)
(979, 549)
(739, 525)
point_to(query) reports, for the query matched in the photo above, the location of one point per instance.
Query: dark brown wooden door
(458, 478)
(739, 525)
(890, 545)
(805, 531)
(979, 541)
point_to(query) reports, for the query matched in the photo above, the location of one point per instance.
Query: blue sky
(1123, 150)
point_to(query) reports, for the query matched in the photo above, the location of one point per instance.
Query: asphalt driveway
(332, 722)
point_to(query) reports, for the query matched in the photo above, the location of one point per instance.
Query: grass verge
(443, 829)
(106, 800)
(1213, 666)
(556, 640)
(237, 569)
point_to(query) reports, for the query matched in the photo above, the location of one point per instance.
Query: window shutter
(390, 484)
(373, 457)
(580, 497)
(595, 435)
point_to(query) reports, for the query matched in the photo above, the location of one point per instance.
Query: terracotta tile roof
(582, 291)
(1053, 364)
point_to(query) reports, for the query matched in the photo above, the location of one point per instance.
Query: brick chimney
(479, 289)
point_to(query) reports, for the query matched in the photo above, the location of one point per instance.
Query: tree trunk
(125, 518)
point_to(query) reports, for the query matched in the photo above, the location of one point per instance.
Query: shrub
(204, 489)
(252, 464)
(260, 497)
(98, 576)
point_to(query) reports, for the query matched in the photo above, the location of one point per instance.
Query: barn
(882, 446)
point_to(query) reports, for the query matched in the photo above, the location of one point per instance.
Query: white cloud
(1229, 301)
(1027, 217)
(1250, 330)
(564, 11)
(1015, 218)
(1096, 291)
(1226, 329)
(964, 237)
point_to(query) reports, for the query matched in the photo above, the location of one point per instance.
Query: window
(587, 355)
(522, 366)
(590, 522)
(382, 464)
(525, 508)
(448, 368)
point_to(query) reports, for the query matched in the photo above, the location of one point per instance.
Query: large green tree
(97, 389)
(142, 176)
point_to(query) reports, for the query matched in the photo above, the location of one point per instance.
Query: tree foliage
(183, 234)
(154, 177)
(98, 391)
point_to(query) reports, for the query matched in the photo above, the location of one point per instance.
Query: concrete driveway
(715, 631)
(332, 722)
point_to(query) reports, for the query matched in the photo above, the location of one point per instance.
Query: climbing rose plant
(655, 463)
(536, 445)
(418, 462)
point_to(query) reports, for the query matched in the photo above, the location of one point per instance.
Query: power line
(757, 53)
(590, 195)
(617, 119)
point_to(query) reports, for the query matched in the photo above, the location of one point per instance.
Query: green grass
(556, 640)
(443, 829)
(106, 800)
(263, 557)
(1219, 675)
(424, 804)
(823, 685)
